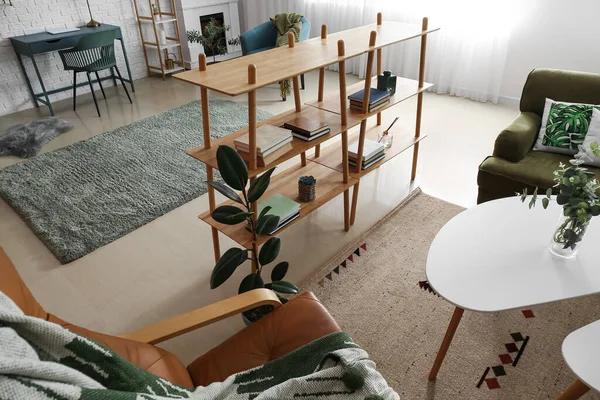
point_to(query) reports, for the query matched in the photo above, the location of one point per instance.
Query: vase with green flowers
(234, 173)
(577, 189)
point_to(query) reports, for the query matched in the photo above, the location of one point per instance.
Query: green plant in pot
(578, 195)
(213, 38)
(234, 172)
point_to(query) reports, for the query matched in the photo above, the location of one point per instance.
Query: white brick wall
(26, 14)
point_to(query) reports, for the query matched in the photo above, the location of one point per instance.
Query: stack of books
(377, 100)
(286, 209)
(272, 142)
(306, 128)
(372, 152)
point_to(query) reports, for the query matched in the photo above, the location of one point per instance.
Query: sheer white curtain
(465, 58)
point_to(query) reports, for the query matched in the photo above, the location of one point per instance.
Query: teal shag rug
(81, 197)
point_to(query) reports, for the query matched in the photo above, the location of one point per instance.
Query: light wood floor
(163, 268)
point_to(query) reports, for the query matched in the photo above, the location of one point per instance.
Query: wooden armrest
(204, 316)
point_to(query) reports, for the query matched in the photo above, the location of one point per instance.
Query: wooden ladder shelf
(162, 51)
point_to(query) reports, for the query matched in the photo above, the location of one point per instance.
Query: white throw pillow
(564, 126)
(593, 136)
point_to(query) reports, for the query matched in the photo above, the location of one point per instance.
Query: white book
(267, 136)
(371, 148)
(246, 149)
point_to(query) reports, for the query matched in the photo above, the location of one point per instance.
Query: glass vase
(568, 236)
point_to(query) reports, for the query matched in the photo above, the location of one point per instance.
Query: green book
(281, 206)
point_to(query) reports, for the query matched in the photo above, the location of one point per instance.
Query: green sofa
(514, 166)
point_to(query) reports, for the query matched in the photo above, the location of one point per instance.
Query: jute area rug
(377, 292)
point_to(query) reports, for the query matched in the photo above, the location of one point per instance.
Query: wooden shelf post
(379, 61)
(252, 140)
(209, 169)
(344, 120)
(420, 98)
(297, 99)
(321, 83)
(363, 125)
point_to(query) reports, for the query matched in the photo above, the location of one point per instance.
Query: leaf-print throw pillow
(591, 141)
(564, 126)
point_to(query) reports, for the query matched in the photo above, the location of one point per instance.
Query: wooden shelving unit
(245, 75)
(173, 42)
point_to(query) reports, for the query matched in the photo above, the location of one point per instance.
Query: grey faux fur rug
(86, 195)
(26, 140)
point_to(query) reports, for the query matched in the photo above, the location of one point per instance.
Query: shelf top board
(278, 64)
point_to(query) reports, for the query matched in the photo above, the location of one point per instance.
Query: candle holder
(307, 189)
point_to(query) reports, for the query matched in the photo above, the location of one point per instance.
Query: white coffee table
(494, 257)
(581, 350)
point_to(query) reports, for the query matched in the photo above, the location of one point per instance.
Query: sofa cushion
(291, 326)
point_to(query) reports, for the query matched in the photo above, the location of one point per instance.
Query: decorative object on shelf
(307, 189)
(93, 23)
(235, 174)
(155, 13)
(169, 62)
(387, 82)
(212, 38)
(385, 137)
(578, 194)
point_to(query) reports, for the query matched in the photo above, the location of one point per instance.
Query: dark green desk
(44, 42)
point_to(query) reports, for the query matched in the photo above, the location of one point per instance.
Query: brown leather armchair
(290, 326)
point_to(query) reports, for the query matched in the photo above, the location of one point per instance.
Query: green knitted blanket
(42, 360)
(285, 23)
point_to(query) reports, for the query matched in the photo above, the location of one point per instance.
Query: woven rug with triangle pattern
(377, 291)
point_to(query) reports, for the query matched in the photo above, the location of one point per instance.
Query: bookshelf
(154, 48)
(244, 75)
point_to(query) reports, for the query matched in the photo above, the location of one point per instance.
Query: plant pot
(307, 193)
(251, 316)
(569, 234)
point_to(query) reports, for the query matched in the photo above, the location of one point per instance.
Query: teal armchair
(264, 36)
(93, 53)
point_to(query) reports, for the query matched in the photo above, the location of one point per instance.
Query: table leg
(575, 391)
(27, 80)
(37, 71)
(458, 312)
(127, 64)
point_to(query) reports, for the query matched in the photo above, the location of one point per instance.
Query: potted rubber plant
(234, 173)
(213, 38)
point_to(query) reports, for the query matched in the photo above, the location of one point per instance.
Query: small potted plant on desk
(213, 39)
(235, 175)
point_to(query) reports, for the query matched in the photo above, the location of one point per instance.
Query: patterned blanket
(285, 23)
(42, 360)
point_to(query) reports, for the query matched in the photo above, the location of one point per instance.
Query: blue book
(376, 95)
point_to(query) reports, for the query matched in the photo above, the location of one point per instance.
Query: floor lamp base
(93, 23)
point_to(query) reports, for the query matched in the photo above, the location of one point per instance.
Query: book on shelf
(371, 108)
(285, 208)
(377, 99)
(268, 139)
(313, 137)
(307, 129)
(264, 161)
(370, 149)
(370, 162)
